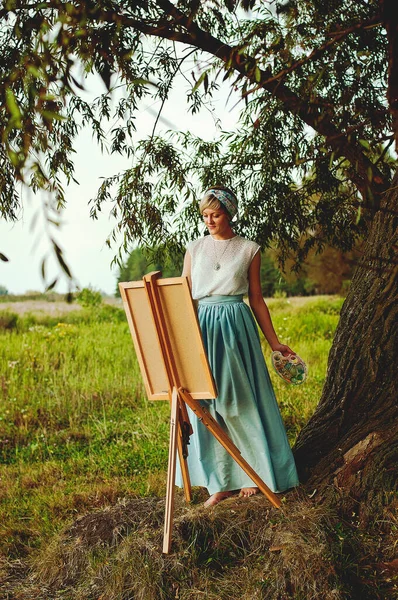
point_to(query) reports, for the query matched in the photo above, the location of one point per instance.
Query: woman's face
(217, 222)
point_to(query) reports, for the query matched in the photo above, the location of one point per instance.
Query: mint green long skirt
(246, 406)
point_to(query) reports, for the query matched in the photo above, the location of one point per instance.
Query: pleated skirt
(245, 408)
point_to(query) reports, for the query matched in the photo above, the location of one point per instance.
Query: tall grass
(76, 430)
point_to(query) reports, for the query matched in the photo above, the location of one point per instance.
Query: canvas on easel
(174, 366)
(186, 345)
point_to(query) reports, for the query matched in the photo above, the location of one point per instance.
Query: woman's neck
(227, 235)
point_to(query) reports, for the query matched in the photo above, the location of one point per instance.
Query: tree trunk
(351, 440)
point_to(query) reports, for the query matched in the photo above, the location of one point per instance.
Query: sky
(83, 240)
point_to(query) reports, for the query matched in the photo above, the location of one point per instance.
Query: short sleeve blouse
(233, 256)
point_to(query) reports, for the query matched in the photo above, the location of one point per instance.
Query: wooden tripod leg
(171, 473)
(212, 425)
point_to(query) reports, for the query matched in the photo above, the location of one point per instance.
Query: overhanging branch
(370, 187)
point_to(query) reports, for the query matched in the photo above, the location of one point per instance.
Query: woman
(222, 268)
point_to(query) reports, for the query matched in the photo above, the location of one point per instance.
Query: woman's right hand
(283, 349)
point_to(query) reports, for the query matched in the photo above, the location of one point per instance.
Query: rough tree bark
(388, 9)
(351, 440)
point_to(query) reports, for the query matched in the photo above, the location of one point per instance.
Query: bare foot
(247, 492)
(217, 497)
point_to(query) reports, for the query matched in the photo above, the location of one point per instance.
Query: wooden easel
(180, 398)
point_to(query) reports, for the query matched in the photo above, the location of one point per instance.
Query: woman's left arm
(260, 309)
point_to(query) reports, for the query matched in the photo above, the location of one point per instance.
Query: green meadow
(76, 430)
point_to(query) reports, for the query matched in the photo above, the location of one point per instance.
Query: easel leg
(171, 473)
(230, 447)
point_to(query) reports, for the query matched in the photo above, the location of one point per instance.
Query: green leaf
(206, 83)
(200, 81)
(140, 81)
(43, 268)
(76, 83)
(13, 108)
(365, 144)
(35, 71)
(50, 115)
(61, 259)
(10, 4)
(15, 158)
(51, 285)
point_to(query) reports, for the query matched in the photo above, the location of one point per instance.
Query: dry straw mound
(240, 549)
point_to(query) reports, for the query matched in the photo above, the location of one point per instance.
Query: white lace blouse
(220, 267)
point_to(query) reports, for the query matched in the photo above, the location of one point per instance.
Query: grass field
(76, 428)
(77, 434)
